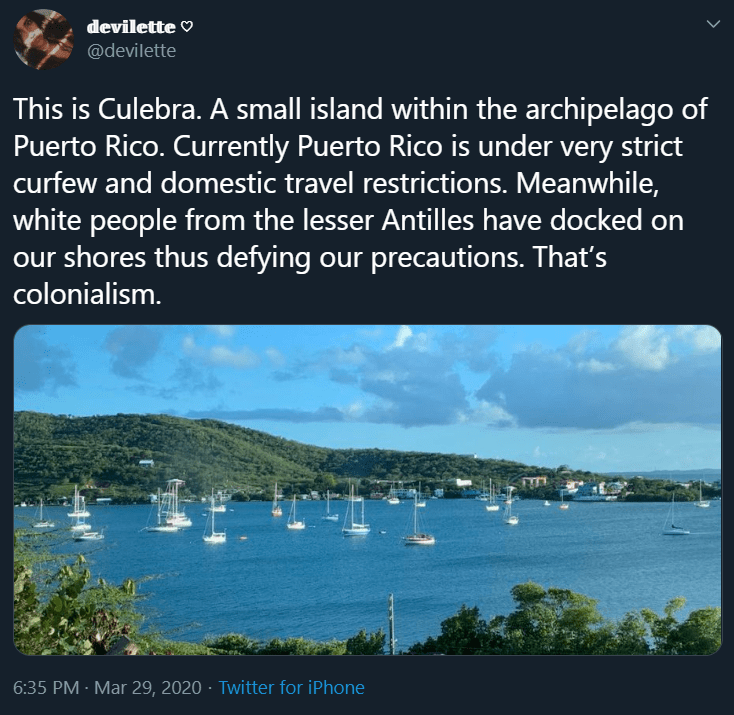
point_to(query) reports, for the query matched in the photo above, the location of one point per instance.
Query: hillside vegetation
(102, 454)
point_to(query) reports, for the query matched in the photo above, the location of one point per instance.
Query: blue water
(320, 585)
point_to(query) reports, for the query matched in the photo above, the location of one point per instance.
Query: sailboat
(220, 506)
(546, 503)
(174, 515)
(162, 525)
(81, 530)
(674, 530)
(329, 516)
(563, 505)
(703, 503)
(213, 536)
(79, 510)
(89, 536)
(418, 538)
(509, 517)
(79, 514)
(41, 523)
(419, 502)
(493, 505)
(276, 510)
(293, 523)
(392, 497)
(352, 527)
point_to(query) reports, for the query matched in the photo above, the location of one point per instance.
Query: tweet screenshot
(364, 330)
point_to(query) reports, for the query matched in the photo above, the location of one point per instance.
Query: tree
(462, 634)
(366, 644)
(699, 634)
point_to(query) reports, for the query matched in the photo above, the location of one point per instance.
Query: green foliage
(233, 644)
(102, 455)
(236, 644)
(699, 634)
(560, 622)
(62, 614)
(462, 634)
(366, 644)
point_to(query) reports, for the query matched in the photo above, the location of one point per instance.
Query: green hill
(103, 455)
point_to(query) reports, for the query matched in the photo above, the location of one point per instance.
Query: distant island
(677, 475)
(126, 458)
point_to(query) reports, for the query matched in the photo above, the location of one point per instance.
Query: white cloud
(406, 338)
(354, 410)
(401, 337)
(489, 413)
(581, 342)
(219, 355)
(595, 365)
(644, 346)
(702, 337)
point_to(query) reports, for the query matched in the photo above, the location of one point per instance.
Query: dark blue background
(356, 52)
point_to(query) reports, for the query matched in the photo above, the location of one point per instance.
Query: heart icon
(186, 25)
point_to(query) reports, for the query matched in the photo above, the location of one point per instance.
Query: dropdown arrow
(713, 24)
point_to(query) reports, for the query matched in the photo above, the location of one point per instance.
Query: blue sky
(599, 398)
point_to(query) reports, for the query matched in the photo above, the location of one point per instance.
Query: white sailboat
(509, 517)
(418, 538)
(703, 503)
(43, 523)
(219, 506)
(674, 530)
(175, 516)
(546, 503)
(419, 501)
(79, 510)
(392, 497)
(89, 536)
(81, 529)
(563, 505)
(352, 527)
(214, 536)
(161, 524)
(293, 523)
(493, 505)
(79, 514)
(79, 525)
(329, 516)
(276, 510)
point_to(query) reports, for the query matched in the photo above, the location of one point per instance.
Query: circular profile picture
(43, 39)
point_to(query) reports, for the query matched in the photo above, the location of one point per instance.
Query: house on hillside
(533, 482)
(146, 463)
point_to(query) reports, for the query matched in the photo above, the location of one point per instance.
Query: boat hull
(355, 530)
(163, 528)
(89, 536)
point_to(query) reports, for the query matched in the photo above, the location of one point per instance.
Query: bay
(319, 585)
